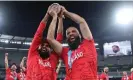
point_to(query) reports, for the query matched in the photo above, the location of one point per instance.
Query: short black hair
(44, 40)
(72, 25)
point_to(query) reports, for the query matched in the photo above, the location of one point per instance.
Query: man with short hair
(104, 75)
(11, 73)
(125, 76)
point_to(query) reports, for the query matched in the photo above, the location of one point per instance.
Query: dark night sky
(22, 18)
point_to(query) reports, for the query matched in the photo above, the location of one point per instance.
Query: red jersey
(125, 78)
(83, 60)
(98, 77)
(131, 76)
(37, 68)
(104, 76)
(22, 75)
(10, 75)
(56, 75)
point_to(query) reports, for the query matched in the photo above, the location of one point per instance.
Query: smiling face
(44, 50)
(73, 37)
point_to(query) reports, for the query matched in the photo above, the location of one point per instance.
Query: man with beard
(11, 73)
(125, 76)
(42, 62)
(80, 58)
(104, 75)
(22, 74)
(116, 50)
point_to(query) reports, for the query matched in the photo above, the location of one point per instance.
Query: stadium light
(18, 42)
(6, 41)
(96, 44)
(124, 16)
(27, 43)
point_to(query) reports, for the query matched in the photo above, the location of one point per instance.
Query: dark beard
(74, 45)
(115, 51)
(106, 72)
(44, 55)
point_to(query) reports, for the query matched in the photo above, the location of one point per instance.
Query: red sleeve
(37, 39)
(18, 76)
(64, 53)
(88, 42)
(59, 37)
(8, 71)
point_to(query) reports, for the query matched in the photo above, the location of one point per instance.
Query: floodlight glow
(6, 41)
(18, 42)
(125, 16)
(28, 43)
(96, 44)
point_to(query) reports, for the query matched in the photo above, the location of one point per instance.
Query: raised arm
(60, 29)
(38, 35)
(81, 21)
(6, 61)
(22, 63)
(51, 33)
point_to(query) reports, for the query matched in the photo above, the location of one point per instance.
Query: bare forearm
(46, 17)
(22, 63)
(84, 28)
(60, 26)
(6, 61)
(52, 27)
(76, 18)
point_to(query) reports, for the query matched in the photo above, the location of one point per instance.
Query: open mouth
(44, 49)
(72, 38)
